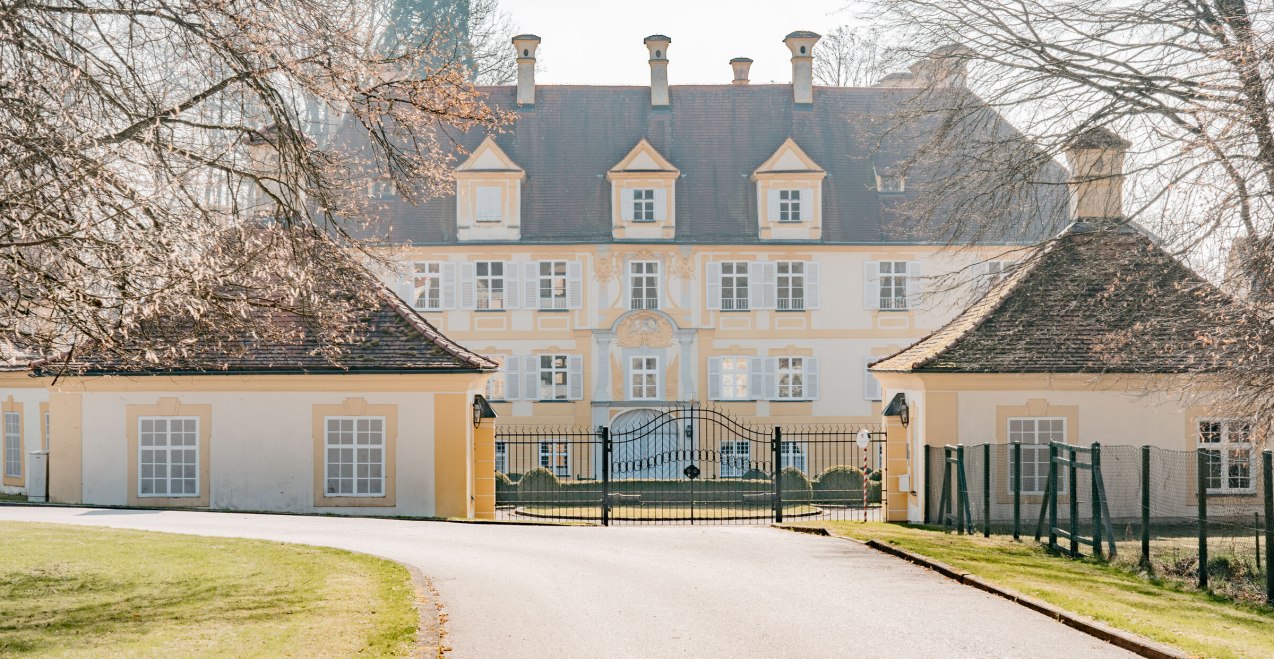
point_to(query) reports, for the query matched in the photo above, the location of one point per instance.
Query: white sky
(591, 42)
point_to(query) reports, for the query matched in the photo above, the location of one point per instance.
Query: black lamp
(904, 413)
(898, 407)
(481, 410)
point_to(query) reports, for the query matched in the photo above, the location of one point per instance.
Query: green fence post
(1073, 479)
(986, 490)
(928, 485)
(1053, 491)
(961, 493)
(1201, 465)
(1256, 530)
(1094, 462)
(1267, 469)
(1145, 507)
(1017, 490)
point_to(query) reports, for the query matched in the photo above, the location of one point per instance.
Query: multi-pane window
(554, 377)
(734, 378)
(736, 457)
(490, 284)
(893, 284)
(892, 183)
(789, 205)
(354, 456)
(502, 457)
(791, 285)
(1034, 434)
(644, 378)
(734, 285)
(556, 457)
(552, 285)
(12, 444)
(168, 457)
(792, 455)
(643, 282)
(1228, 447)
(791, 372)
(427, 285)
(644, 205)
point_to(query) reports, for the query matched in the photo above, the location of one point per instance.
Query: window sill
(792, 400)
(490, 310)
(895, 310)
(791, 310)
(553, 400)
(1232, 493)
(734, 310)
(554, 310)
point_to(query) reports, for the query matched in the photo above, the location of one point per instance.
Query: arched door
(648, 445)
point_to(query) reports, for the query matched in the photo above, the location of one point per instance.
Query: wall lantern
(481, 410)
(898, 407)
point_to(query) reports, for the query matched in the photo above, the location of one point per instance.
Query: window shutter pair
(407, 284)
(763, 285)
(871, 386)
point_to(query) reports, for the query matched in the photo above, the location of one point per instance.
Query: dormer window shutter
(512, 377)
(574, 285)
(661, 205)
(626, 204)
(468, 279)
(807, 204)
(772, 205)
(812, 296)
(871, 285)
(489, 204)
(714, 286)
(448, 286)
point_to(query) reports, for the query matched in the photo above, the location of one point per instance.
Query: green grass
(663, 511)
(13, 498)
(1196, 622)
(76, 591)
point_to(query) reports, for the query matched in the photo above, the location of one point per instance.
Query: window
(556, 457)
(891, 184)
(490, 284)
(354, 451)
(644, 205)
(871, 386)
(734, 285)
(1228, 445)
(554, 378)
(644, 378)
(644, 284)
(502, 457)
(12, 444)
(791, 371)
(734, 378)
(427, 285)
(791, 285)
(1035, 434)
(996, 271)
(893, 285)
(736, 457)
(791, 455)
(496, 385)
(552, 285)
(789, 205)
(489, 204)
(167, 457)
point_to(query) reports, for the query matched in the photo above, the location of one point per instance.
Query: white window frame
(643, 377)
(996, 271)
(790, 285)
(735, 285)
(147, 437)
(556, 285)
(549, 368)
(649, 275)
(374, 429)
(734, 377)
(550, 452)
(644, 205)
(1230, 438)
(735, 457)
(489, 298)
(788, 369)
(791, 454)
(502, 456)
(13, 444)
(894, 285)
(1035, 452)
(790, 206)
(426, 297)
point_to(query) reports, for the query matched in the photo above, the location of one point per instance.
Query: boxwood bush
(796, 486)
(843, 484)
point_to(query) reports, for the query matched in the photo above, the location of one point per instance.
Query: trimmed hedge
(795, 484)
(755, 474)
(843, 484)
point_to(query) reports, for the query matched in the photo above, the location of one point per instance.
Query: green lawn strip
(67, 590)
(1196, 622)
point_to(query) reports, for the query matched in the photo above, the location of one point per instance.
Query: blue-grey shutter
(468, 284)
(448, 286)
(811, 378)
(531, 378)
(574, 285)
(714, 378)
(714, 286)
(512, 374)
(812, 295)
(575, 377)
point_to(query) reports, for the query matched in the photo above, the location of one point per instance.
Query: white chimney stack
(801, 44)
(657, 44)
(526, 45)
(741, 65)
(1096, 158)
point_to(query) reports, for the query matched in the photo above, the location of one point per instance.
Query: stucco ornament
(606, 268)
(644, 329)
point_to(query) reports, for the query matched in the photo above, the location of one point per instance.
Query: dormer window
(490, 203)
(643, 193)
(644, 205)
(789, 206)
(789, 188)
(887, 183)
(488, 195)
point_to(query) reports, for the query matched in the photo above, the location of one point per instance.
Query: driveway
(702, 591)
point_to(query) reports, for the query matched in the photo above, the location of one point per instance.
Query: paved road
(725, 591)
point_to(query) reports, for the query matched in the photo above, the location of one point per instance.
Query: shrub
(505, 490)
(755, 474)
(539, 480)
(875, 476)
(514, 477)
(840, 484)
(796, 486)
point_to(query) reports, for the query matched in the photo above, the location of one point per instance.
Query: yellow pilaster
(66, 439)
(896, 465)
(484, 470)
(453, 456)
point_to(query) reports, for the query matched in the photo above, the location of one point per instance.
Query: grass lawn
(1193, 621)
(663, 511)
(68, 590)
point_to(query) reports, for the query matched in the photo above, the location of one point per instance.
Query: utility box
(38, 477)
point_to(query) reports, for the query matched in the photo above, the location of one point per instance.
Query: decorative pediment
(644, 159)
(489, 157)
(789, 159)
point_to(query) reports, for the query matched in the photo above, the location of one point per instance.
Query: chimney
(657, 44)
(945, 66)
(801, 44)
(526, 45)
(741, 66)
(1096, 158)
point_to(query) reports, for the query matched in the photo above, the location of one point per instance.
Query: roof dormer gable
(790, 158)
(489, 157)
(489, 195)
(644, 159)
(789, 188)
(643, 195)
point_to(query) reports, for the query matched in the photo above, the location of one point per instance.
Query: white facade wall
(32, 427)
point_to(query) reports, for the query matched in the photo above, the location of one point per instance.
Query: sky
(600, 41)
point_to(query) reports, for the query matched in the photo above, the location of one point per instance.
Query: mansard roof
(716, 135)
(1097, 299)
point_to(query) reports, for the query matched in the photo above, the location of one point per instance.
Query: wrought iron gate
(688, 464)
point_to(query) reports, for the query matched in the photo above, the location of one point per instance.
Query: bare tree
(849, 58)
(153, 163)
(490, 29)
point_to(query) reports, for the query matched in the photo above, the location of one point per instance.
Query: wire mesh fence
(1201, 516)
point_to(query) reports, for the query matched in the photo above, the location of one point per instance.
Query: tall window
(644, 284)
(12, 444)
(427, 285)
(490, 284)
(1228, 445)
(734, 378)
(734, 285)
(893, 284)
(644, 205)
(644, 378)
(791, 285)
(167, 457)
(789, 205)
(502, 457)
(791, 371)
(354, 451)
(554, 377)
(1035, 434)
(736, 457)
(552, 285)
(556, 457)
(791, 455)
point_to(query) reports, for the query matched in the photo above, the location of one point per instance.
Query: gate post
(605, 435)
(1145, 507)
(1017, 490)
(778, 473)
(1201, 461)
(1094, 462)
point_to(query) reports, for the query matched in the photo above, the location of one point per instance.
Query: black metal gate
(691, 464)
